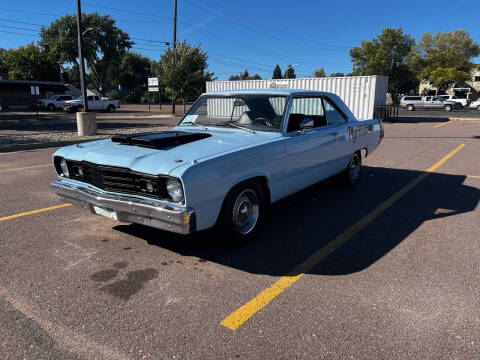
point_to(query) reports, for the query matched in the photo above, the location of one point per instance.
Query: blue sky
(253, 34)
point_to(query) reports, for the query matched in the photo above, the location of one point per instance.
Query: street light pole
(174, 45)
(80, 56)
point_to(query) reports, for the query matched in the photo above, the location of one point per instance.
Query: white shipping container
(360, 93)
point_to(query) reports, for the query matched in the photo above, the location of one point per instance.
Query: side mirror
(306, 123)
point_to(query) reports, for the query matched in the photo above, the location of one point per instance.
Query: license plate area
(109, 213)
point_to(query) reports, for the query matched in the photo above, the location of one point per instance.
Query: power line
(20, 22)
(17, 33)
(31, 12)
(18, 28)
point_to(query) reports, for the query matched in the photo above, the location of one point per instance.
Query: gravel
(55, 137)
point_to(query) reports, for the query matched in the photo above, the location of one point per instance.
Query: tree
(244, 76)
(444, 59)
(337, 74)
(319, 73)
(289, 73)
(134, 70)
(183, 71)
(3, 64)
(277, 72)
(104, 45)
(30, 63)
(386, 55)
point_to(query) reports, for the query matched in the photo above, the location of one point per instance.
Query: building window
(476, 78)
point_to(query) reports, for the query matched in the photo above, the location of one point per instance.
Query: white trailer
(360, 93)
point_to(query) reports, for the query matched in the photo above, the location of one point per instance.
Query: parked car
(428, 102)
(232, 155)
(94, 103)
(475, 105)
(54, 102)
(461, 101)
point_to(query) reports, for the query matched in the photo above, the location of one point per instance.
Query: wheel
(447, 107)
(242, 211)
(79, 108)
(478, 107)
(410, 107)
(51, 107)
(351, 175)
(111, 108)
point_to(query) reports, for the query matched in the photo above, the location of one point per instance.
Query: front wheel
(351, 175)
(242, 211)
(478, 107)
(51, 107)
(410, 108)
(448, 107)
(111, 108)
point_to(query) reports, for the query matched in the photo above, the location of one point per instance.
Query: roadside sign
(153, 82)
(153, 89)
(34, 90)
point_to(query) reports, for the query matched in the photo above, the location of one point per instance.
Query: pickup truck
(462, 101)
(411, 103)
(231, 156)
(54, 102)
(94, 103)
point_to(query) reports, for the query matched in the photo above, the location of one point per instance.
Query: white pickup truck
(54, 102)
(94, 103)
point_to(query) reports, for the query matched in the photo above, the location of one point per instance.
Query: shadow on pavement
(303, 223)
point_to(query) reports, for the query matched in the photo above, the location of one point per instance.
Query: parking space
(387, 269)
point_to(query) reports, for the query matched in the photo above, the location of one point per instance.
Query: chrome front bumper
(131, 209)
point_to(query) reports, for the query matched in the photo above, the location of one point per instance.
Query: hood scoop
(161, 140)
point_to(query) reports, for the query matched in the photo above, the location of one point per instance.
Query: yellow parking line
(242, 314)
(26, 167)
(33, 212)
(474, 176)
(441, 124)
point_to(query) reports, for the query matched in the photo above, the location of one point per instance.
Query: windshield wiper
(237, 126)
(194, 123)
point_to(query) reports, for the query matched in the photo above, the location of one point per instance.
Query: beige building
(471, 92)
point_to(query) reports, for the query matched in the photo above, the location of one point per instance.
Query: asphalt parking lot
(388, 269)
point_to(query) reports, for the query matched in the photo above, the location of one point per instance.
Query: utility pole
(174, 44)
(80, 55)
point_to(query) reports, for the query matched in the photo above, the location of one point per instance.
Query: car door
(309, 153)
(427, 102)
(340, 128)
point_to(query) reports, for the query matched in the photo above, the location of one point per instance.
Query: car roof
(269, 91)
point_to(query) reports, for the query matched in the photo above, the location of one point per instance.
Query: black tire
(351, 175)
(410, 107)
(111, 108)
(51, 107)
(79, 108)
(478, 107)
(447, 107)
(242, 212)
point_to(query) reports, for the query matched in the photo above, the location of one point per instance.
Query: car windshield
(53, 97)
(262, 112)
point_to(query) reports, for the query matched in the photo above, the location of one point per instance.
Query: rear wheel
(51, 107)
(111, 108)
(79, 108)
(410, 107)
(478, 107)
(351, 175)
(242, 211)
(447, 107)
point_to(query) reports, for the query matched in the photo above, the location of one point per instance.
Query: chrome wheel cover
(246, 211)
(354, 167)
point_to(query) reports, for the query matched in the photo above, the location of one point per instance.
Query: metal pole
(174, 44)
(148, 98)
(80, 56)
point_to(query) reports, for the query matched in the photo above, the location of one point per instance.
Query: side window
(68, 97)
(90, 98)
(334, 115)
(306, 108)
(428, 98)
(96, 98)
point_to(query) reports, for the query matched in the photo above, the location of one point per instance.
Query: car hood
(163, 160)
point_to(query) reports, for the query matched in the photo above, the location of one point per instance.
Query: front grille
(117, 179)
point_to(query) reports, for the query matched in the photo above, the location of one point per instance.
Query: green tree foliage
(289, 73)
(30, 63)
(319, 73)
(277, 72)
(337, 74)
(3, 64)
(386, 55)
(244, 76)
(183, 71)
(134, 70)
(444, 58)
(104, 45)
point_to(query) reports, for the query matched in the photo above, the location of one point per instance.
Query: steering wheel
(266, 122)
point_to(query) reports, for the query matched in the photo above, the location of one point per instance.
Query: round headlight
(174, 189)
(63, 165)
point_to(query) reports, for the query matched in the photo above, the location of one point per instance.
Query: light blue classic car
(232, 155)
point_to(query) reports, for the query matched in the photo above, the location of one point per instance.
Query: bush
(113, 94)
